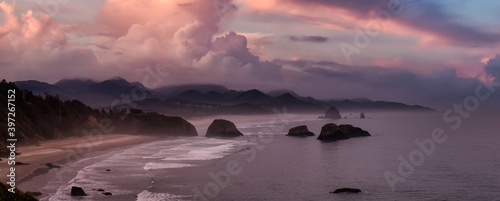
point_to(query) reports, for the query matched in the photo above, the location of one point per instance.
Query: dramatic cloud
(437, 89)
(270, 44)
(131, 36)
(493, 67)
(29, 31)
(183, 39)
(317, 39)
(431, 17)
(423, 16)
(232, 49)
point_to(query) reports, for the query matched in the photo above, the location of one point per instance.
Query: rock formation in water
(347, 190)
(223, 128)
(332, 132)
(77, 191)
(300, 131)
(332, 113)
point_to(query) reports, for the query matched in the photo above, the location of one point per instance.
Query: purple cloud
(428, 16)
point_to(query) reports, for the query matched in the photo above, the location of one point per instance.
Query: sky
(414, 51)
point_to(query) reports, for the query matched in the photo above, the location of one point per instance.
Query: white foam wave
(150, 196)
(165, 165)
(206, 153)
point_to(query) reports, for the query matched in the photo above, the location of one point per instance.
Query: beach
(37, 156)
(270, 164)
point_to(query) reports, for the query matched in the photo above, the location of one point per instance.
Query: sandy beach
(51, 151)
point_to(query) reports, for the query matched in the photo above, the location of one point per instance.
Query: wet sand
(38, 156)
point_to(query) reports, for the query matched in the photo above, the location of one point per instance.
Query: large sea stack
(332, 132)
(332, 113)
(223, 128)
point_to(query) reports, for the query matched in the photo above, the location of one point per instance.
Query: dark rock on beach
(21, 163)
(347, 190)
(51, 166)
(107, 193)
(300, 131)
(332, 132)
(77, 191)
(223, 128)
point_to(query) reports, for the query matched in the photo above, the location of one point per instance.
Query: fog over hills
(200, 99)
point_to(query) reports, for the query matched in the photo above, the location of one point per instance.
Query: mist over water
(275, 167)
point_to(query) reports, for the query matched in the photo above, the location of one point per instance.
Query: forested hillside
(38, 118)
(46, 118)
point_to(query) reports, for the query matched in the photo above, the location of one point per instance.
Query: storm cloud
(316, 39)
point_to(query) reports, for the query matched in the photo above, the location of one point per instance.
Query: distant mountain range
(200, 99)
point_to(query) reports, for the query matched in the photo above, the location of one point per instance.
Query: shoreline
(57, 151)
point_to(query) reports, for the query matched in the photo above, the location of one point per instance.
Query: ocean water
(267, 165)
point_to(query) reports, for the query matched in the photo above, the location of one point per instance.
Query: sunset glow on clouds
(422, 49)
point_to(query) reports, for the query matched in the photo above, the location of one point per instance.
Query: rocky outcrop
(332, 113)
(300, 131)
(332, 132)
(77, 191)
(347, 190)
(223, 128)
(157, 124)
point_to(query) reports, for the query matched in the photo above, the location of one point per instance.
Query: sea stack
(332, 113)
(332, 132)
(77, 191)
(223, 128)
(347, 190)
(300, 131)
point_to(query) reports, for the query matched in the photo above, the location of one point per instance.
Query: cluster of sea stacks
(330, 131)
(226, 129)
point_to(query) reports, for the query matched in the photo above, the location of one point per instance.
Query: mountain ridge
(102, 94)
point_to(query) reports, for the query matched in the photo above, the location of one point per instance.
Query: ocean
(410, 156)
